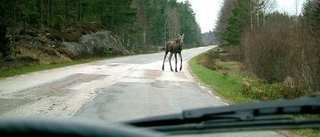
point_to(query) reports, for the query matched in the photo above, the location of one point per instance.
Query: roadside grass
(230, 81)
(225, 78)
(225, 86)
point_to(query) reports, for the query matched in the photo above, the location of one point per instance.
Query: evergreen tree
(137, 22)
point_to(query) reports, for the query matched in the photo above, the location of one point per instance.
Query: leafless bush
(310, 61)
(265, 51)
(232, 53)
(282, 51)
(31, 59)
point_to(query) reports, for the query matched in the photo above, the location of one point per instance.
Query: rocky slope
(30, 47)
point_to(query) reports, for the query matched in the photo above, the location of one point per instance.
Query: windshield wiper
(255, 116)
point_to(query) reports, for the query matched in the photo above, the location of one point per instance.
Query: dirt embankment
(49, 46)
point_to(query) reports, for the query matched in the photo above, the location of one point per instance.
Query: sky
(207, 11)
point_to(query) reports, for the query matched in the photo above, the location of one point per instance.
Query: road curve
(112, 90)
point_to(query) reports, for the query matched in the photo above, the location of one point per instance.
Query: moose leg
(180, 61)
(175, 56)
(164, 59)
(170, 61)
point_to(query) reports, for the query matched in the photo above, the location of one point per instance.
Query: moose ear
(181, 36)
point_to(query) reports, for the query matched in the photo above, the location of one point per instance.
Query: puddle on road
(149, 75)
(113, 64)
(159, 84)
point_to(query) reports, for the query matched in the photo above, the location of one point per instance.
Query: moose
(174, 47)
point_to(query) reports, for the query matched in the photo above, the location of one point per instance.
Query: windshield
(119, 60)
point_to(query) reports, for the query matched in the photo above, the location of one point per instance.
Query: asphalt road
(112, 90)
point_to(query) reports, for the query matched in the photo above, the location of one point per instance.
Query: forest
(137, 24)
(273, 46)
